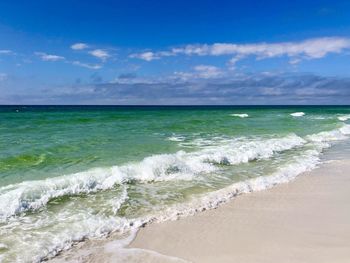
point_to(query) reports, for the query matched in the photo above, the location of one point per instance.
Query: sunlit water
(71, 173)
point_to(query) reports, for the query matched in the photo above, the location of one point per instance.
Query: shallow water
(71, 173)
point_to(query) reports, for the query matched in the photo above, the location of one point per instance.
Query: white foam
(333, 135)
(3, 246)
(297, 114)
(32, 195)
(305, 162)
(240, 115)
(63, 235)
(244, 151)
(344, 117)
(118, 201)
(345, 130)
(176, 138)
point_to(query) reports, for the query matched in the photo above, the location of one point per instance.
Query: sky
(174, 52)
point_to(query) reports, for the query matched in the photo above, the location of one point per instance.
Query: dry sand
(307, 220)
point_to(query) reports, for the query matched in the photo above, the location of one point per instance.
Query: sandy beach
(306, 220)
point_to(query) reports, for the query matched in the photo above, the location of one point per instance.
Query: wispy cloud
(79, 46)
(148, 56)
(6, 52)
(200, 71)
(100, 53)
(49, 57)
(86, 65)
(307, 49)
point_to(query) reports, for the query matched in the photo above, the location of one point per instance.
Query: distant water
(71, 173)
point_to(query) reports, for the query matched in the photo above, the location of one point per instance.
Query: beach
(174, 131)
(306, 220)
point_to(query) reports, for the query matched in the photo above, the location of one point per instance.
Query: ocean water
(73, 173)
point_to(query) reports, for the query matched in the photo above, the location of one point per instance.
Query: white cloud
(308, 49)
(85, 65)
(79, 46)
(49, 57)
(100, 53)
(148, 56)
(311, 48)
(3, 76)
(207, 72)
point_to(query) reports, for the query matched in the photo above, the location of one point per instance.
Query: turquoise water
(70, 173)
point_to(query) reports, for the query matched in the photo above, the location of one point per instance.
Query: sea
(74, 173)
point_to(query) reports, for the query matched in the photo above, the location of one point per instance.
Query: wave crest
(32, 195)
(240, 115)
(297, 114)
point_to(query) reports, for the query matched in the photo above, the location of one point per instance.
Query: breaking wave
(297, 114)
(32, 195)
(344, 117)
(240, 115)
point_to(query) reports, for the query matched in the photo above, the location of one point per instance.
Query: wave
(328, 136)
(89, 226)
(306, 162)
(240, 115)
(297, 114)
(32, 195)
(344, 117)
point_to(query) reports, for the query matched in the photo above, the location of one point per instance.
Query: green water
(69, 173)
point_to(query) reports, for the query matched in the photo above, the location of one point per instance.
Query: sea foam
(297, 114)
(240, 115)
(344, 117)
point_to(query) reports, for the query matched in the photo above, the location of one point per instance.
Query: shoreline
(305, 220)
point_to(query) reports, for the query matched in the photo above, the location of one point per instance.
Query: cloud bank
(308, 49)
(262, 89)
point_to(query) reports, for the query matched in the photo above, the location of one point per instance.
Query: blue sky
(174, 52)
